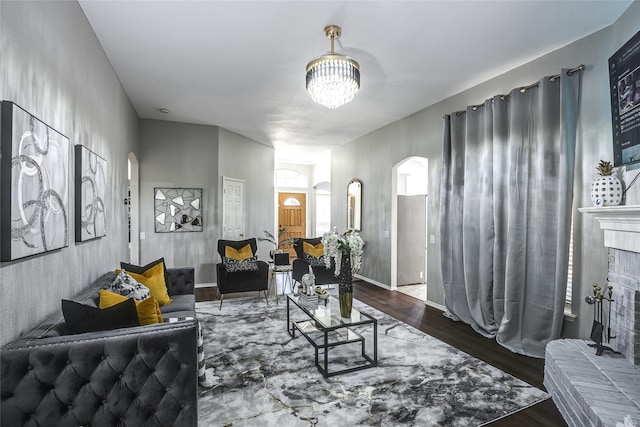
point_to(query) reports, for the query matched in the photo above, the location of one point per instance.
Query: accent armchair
(324, 275)
(240, 271)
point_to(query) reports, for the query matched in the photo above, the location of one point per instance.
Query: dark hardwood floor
(460, 335)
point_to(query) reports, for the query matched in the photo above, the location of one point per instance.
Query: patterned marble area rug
(270, 379)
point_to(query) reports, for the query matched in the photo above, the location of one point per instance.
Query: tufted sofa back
(181, 281)
(139, 376)
(146, 378)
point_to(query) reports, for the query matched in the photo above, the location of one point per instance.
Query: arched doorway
(410, 181)
(133, 209)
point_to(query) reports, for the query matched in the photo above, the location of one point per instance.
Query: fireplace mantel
(621, 225)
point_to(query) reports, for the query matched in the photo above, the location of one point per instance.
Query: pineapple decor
(607, 189)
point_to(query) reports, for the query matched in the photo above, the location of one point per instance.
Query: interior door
(233, 209)
(412, 239)
(292, 214)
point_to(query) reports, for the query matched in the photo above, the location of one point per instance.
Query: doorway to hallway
(409, 222)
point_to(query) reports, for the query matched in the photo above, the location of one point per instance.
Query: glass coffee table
(325, 330)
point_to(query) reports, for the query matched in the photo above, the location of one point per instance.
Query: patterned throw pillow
(129, 287)
(234, 265)
(314, 261)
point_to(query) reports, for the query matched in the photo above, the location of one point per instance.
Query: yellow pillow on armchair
(315, 251)
(241, 254)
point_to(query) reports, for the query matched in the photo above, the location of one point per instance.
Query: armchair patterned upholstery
(241, 281)
(324, 276)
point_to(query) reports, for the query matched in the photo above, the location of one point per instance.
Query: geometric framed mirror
(177, 210)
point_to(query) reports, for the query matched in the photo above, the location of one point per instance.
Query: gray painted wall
(254, 163)
(372, 157)
(197, 156)
(179, 155)
(53, 66)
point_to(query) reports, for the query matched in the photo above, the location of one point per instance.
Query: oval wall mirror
(354, 205)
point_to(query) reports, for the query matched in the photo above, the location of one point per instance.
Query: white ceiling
(241, 64)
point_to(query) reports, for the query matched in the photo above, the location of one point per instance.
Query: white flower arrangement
(336, 245)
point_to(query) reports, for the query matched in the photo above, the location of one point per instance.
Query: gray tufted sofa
(139, 376)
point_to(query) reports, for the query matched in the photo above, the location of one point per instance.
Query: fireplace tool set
(598, 332)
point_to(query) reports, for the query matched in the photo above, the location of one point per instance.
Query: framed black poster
(624, 79)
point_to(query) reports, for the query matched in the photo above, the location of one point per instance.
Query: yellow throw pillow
(239, 255)
(108, 299)
(153, 279)
(315, 251)
(148, 310)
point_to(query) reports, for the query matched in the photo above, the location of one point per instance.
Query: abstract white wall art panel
(90, 195)
(34, 217)
(177, 209)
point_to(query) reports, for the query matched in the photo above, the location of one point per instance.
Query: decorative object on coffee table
(346, 251)
(322, 294)
(607, 189)
(308, 283)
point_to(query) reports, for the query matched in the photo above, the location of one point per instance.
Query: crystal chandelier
(333, 79)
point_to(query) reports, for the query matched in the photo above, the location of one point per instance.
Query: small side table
(285, 272)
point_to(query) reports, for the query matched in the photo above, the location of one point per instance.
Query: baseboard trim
(206, 285)
(373, 282)
(435, 305)
(388, 287)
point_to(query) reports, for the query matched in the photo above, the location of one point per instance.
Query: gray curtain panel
(507, 189)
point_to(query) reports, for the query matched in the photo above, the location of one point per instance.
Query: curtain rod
(523, 89)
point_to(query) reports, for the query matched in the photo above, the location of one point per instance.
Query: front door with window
(292, 215)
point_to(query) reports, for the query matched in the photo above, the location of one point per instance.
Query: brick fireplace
(624, 277)
(597, 391)
(621, 225)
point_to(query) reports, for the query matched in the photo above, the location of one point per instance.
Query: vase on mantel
(606, 191)
(345, 286)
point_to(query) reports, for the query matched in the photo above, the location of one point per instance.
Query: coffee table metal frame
(338, 332)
